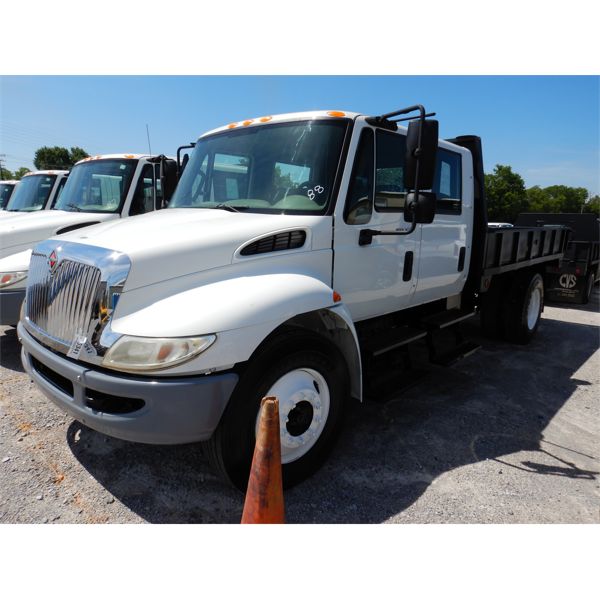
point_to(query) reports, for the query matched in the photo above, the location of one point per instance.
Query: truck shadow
(10, 350)
(488, 407)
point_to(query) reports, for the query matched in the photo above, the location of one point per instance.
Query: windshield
(6, 190)
(31, 193)
(97, 186)
(274, 168)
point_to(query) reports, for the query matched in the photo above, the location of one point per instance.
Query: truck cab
(300, 257)
(99, 188)
(37, 190)
(7, 187)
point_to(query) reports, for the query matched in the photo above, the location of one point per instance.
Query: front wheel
(310, 381)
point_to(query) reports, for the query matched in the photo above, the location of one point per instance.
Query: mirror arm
(366, 236)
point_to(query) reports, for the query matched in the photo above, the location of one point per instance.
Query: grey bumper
(175, 411)
(10, 306)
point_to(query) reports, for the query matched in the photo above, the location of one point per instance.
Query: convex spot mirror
(421, 210)
(423, 155)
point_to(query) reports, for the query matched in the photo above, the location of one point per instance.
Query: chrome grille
(62, 302)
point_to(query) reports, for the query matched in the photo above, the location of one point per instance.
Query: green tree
(77, 154)
(6, 174)
(592, 205)
(556, 199)
(57, 157)
(20, 172)
(506, 194)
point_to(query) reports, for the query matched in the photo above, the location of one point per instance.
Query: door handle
(408, 266)
(461, 258)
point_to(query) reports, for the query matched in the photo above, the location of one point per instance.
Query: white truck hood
(176, 242)
(24, 231)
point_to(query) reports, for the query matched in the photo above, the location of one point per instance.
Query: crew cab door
(379, 277)
(445, 244)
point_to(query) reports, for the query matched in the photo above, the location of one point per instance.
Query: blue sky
(546, 127)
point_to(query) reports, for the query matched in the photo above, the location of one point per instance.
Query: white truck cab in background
(99, 188)
(298, 258)
(7, 188)
(37, 190)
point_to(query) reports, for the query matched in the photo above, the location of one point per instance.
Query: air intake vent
(281, 241)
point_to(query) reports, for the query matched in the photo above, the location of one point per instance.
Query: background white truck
(99, 188)
(7, 187)
(37, 190)
(298, 258)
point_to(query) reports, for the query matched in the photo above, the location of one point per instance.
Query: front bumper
(176, 410)
(10, 306)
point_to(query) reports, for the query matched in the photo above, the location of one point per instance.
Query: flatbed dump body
(507, 249)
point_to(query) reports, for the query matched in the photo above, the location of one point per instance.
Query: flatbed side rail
(519, 247)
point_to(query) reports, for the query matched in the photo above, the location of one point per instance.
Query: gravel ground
(508, 435)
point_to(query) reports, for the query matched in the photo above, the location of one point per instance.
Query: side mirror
(420, 157)
(421, 209)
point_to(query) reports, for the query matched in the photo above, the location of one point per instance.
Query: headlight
(7, 279)
(130, 353)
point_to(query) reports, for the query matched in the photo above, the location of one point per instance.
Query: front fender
(222, 306)
(242, 312)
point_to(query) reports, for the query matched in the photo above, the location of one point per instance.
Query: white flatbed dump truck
(37, 190)
(7, 188)
(99, 188)
(298, 254)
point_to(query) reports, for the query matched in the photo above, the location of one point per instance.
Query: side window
(143, 199)
(448, 182)
(390, 194)
(359, 202)
(59, 189)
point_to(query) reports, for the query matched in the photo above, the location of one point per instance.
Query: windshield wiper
(231, 208)
(74, 207)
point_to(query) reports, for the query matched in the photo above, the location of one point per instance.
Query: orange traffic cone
(264, 496)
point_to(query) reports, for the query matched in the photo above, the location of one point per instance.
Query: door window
(448, 182)
(390, 194)
(359, 202)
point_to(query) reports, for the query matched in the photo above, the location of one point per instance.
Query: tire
(304, 372)
(587, 291)
(523, 307)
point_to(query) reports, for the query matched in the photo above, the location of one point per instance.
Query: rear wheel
(309, 378)
(522, 308)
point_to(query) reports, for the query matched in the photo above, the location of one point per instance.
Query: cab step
(384, 385)
(392, 339)
(446, 319)
(455, 354)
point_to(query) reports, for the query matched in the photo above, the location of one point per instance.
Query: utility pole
(148, 135)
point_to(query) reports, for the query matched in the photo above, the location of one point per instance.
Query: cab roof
(46, 172)
(113, 156)
(298, 116)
